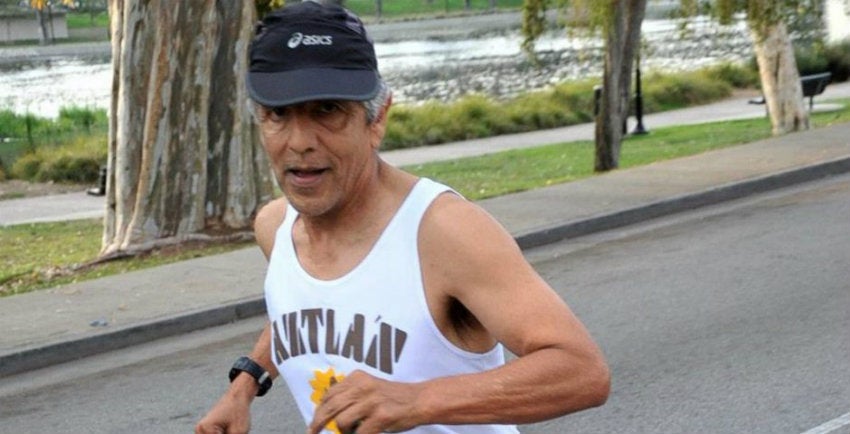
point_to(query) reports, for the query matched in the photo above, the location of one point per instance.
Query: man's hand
(368, 405)
(230, 415)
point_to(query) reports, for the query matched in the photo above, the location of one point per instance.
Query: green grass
(29, 247)
(393, 9)
(35, 256)
(512, 171)
(83, 20)
(413, 8)
(674, 142)
(15, 195)
(41, 255)
(10, 151)
(520, 170)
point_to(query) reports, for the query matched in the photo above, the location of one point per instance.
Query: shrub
(9, 124)
(23, 134)
(738, 76)
(834, 58)
(476, 116)
(568, 103)
(578, 96)
(564, 104)
(70, 168)
(77, 162)
(82, 118)
(410, 126)
(399, 133)
(537, 111)
(671, 91)
(811, 60)
(838, 60)
(20, 126)
(27, 166)
(433, 122)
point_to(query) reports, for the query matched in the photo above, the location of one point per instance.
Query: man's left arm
(559, 369)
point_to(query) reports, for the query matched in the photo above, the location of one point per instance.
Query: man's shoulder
(268, 220)
(271, 212)
(452, 216)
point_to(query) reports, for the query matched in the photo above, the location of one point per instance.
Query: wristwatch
(245, 364)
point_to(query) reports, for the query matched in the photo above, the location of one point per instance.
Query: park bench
(813, 85)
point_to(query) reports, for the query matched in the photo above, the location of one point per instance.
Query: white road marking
(832, 425)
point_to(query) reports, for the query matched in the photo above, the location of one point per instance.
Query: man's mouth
(304, 176)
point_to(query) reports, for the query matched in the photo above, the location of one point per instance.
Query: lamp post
(639, 128)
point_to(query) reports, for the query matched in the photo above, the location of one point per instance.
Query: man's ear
(379, 125)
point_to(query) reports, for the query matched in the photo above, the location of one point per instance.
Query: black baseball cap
(308, 51)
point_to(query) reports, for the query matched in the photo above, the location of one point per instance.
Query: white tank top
(374, 318)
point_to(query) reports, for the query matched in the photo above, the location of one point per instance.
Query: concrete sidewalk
(51, 326)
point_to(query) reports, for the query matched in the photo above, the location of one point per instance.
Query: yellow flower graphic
(321, 382)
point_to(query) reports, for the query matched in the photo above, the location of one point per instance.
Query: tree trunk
(184, 155)
(621, 44)
(51, 32)
(43, 34)
(780, 80)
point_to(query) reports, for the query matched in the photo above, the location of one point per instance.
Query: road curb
(33, 358)
(59, 352)
(724, 193)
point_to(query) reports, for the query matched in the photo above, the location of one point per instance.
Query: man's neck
(332, 245)
(363, 215)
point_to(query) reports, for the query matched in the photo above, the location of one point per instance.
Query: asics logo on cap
(299, 38)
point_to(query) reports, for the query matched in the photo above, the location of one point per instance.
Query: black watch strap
(245, 364)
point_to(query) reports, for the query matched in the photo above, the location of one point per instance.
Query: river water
(418, 70)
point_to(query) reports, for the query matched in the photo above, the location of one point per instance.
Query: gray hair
(374, 105)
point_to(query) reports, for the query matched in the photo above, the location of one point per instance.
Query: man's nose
(301, 137)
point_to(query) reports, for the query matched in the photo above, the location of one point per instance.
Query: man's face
(321, 151)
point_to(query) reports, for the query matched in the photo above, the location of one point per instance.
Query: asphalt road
(732, 319)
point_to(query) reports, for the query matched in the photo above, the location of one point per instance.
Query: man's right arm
(231, 414)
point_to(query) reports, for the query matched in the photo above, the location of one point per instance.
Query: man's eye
(278, 111)
(328, 107)
(274, 114)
